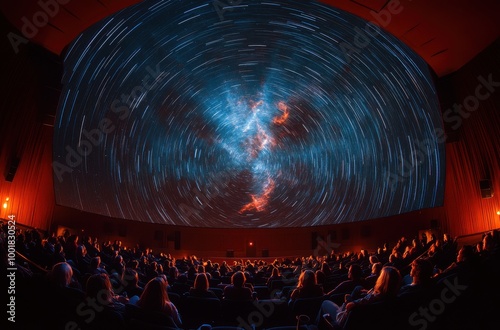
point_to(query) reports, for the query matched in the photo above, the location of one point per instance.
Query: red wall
(476, 153)
(210, 242)
(24, 136)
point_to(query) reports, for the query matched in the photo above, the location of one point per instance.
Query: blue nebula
(249, 114)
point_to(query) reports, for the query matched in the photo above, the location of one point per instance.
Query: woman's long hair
(201, 282)
(307, 279)
(388, 282)
(155, 297)
(99, 286)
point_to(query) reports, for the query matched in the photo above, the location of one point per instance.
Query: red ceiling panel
(375, 5)
(448, 33)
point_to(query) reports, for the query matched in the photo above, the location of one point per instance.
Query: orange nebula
(256, 144)
(280, 120)
(259, 202)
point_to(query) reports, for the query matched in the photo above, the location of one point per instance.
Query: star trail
(253, 115)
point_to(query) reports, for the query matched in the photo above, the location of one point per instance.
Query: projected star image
(255, 114)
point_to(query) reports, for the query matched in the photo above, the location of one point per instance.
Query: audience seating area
(462, 292)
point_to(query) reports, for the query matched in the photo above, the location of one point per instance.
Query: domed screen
(245, 114)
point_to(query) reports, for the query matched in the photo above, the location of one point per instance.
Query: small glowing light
(5, 205)
(498, 212)
(251, 243)
(7, 199)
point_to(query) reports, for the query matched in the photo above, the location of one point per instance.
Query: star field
(256, 114)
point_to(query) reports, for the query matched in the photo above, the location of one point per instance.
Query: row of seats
(406, 312)
(214, 312)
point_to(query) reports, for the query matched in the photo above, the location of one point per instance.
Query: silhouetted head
(307, 279)
(355, 272)
(61, 274)
(238, 279)
(388, 282)
(99, 287)
(201, 282)
(421, 270)
(154, 297)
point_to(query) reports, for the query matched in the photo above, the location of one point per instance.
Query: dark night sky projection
(261, 114)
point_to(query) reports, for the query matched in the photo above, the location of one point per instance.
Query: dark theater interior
(242, 164)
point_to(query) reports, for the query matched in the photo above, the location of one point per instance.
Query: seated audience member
(298, 267)
(155, 298)
(355, 278)
(320, 277)
(92, 248)
(464, 265)
(248, 280)
(216, 276)
(200, 287)
(325, 268)
(307, 286)
(209, 268)
(372, 278)
(275, 276)
(130, 282)
(70, 247)
(373, 259)
(160, 269)
(180, 286)
(96, 267)
(479, 248)
(386, 288)
(237, 289)
(421, 274)
(224, 269)
(488, 243)
(438, 256)
(82, 259)
(191, 273)
(133, 264)
(58, 254)
(341, 270)
(173, 273)
(61, 276)
(118, 265)
(62, 296)
(394, 260)
(110, 307)
(151, 270)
